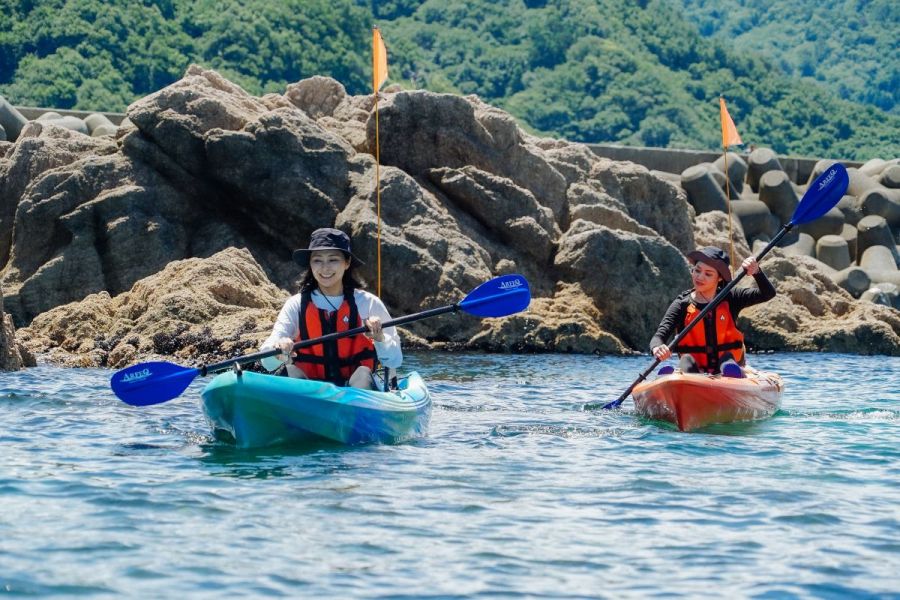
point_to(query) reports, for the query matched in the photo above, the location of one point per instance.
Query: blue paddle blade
(822, 194)
(151, 382)
(499, 297)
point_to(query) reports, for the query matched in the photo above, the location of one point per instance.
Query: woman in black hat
(716, 345)
(330, 300)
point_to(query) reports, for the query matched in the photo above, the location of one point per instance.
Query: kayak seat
(665, 370)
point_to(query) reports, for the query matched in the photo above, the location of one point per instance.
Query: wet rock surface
(203, 174)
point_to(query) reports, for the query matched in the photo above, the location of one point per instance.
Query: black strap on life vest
(330, 358)
(713, 349)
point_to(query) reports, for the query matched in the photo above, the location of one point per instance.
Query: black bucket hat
(326, 239)
(714, 257)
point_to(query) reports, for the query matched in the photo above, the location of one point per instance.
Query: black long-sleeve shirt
(738, 299)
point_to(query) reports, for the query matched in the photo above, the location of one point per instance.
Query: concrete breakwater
(856, 242)
(676, 160)
(13, 119)
(174, 236)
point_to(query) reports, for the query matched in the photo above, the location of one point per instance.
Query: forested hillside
(103, 54)
(587, 70)
(850, 46)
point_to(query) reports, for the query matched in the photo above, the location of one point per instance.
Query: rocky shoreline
(173, 236)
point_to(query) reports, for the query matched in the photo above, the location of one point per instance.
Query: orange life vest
(333, 361)
(708, 349)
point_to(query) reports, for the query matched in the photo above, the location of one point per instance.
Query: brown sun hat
(714, 257)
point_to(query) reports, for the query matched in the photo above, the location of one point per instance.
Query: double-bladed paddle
(820, 197)
(159, 381)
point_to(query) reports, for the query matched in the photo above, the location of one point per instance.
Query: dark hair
(349, 281)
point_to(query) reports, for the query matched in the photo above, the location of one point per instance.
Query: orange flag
(379, 61)
(730, 135)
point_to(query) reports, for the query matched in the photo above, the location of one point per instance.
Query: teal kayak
(254, 410)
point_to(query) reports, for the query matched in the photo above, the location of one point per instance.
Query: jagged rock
(39, 150)
(502, 207)
(197, 310)
(712, 229)
(567, 322)
(652, 202)
(317, 96)
(420, 131)
(615, 269)
(88, 220)
(811, 313)
(463, 194)
(13, 356)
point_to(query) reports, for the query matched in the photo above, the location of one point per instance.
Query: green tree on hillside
(587, 70)
(102, 55)
(850, 47)
(616, 71)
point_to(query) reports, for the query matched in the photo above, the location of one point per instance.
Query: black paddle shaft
(715, 302)
(248, 358)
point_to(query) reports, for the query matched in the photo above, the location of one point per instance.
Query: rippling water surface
(517, 492)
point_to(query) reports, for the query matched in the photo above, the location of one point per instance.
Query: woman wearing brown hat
(330, 300)
(716, 345)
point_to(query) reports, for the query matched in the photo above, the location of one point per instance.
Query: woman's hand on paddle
(375, 331)
(662, 352)
(750, 266)
(286, 345)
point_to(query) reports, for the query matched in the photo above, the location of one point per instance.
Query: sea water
(517, 492)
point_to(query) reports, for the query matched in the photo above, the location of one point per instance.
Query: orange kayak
(693, 400)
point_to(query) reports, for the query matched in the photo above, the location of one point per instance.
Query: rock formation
(868, 216)
(203, 309)
(201, 168)
(13, 356)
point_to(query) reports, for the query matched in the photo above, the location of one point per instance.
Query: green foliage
(102, 55)
(390, 9)
(850, 47)
(635, 73)
(644, 72)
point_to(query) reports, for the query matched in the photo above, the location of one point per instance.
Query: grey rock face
(462, 194)
(13, 356)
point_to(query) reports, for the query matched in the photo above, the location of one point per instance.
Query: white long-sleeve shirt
(369, 305)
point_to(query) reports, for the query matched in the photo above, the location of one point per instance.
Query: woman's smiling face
(328, 268)
(704, 277)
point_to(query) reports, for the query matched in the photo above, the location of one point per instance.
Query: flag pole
(730, 136)
(728, 200)
(379, 74)
(378, 196)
